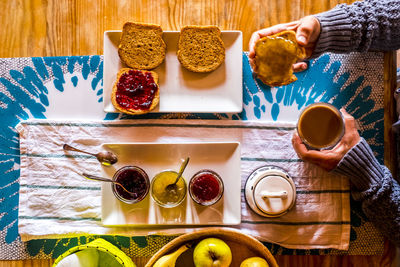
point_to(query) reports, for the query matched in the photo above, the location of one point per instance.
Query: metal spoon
(102, 179)
(106, 158)
(173, 186)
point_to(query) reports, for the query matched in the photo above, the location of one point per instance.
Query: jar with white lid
(270, 191)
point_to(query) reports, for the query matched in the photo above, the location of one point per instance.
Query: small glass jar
(133, 179)
(206, 187)
(164, 197)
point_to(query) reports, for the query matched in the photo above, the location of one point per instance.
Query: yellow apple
(212, 252)
(254, 262)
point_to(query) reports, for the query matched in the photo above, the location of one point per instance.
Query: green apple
(254, 262)
(212, 252)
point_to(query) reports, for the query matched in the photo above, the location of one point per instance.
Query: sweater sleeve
(374, 186)
(359, 27)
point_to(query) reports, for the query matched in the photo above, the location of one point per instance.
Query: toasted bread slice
(141, 46)
(144, 93)
(275, 55)
(200, 48)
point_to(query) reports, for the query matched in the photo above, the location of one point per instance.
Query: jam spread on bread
(136, 90)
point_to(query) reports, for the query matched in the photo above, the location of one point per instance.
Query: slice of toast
(200, 48)
(133, 102)
(275, 55)
(141, 46)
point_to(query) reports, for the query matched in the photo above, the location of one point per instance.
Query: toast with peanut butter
(274, 57)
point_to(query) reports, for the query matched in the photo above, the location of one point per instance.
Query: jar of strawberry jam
(206, 187)
(134, 180)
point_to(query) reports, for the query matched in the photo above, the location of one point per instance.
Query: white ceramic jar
(270, 191)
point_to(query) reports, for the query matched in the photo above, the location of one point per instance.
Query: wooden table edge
(390, 148)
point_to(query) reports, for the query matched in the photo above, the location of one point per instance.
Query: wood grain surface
(72, 27)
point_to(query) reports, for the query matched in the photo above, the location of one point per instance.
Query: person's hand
(307, 32)
(329, 159)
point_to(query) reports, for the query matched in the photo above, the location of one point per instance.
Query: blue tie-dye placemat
(71, 87)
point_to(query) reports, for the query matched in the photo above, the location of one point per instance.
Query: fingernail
(301, 39)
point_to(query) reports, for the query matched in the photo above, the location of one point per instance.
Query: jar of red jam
(133, 179)
(206, 187)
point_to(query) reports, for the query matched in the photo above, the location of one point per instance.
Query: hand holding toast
(307, 32)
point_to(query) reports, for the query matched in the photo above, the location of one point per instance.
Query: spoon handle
(102, 179)
(97, 178)
(183, 167)
(70, 148)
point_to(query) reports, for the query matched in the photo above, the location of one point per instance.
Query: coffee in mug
(320, 126)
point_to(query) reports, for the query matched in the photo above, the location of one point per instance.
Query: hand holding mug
(329, 159)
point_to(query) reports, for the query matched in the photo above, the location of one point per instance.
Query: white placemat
(55, 201)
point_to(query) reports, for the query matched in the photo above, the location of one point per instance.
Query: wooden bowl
(242, 247)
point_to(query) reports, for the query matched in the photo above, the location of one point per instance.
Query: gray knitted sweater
(361, 26)
(364, 26)
(374, 186)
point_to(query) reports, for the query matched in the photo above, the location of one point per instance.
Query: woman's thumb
(305, 30)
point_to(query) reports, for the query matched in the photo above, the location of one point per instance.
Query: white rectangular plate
(221, 157)
(181, 90)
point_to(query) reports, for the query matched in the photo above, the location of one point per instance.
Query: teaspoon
(106, 158)
(102, 179)
(173, 186)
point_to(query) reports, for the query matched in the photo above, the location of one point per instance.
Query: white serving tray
(181, 90)
(221, 157)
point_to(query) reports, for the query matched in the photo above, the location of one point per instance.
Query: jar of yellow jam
(164, 197)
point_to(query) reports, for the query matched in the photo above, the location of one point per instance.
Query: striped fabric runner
(55, 201)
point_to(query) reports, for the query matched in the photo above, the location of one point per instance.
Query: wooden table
(63, 28)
